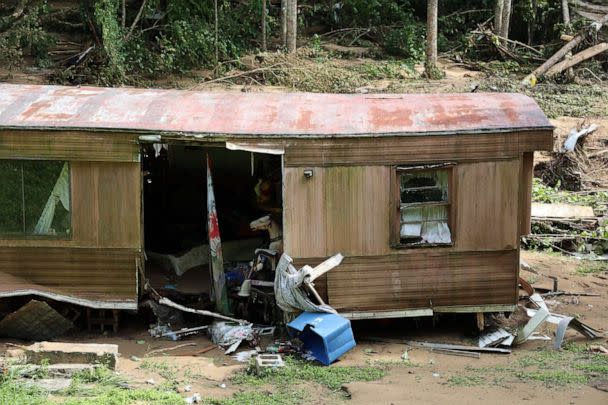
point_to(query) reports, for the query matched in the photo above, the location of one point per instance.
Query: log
(576, 59)
(530, 80)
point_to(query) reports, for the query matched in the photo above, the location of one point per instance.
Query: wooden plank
(422, 279)
(69, 145)
(487, 205)
(414, 149)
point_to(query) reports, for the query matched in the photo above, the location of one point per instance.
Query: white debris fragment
(194, 399)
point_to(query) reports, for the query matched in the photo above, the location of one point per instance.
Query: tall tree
(498, 7)
(431, 39)
(506, 19)
(291, 22)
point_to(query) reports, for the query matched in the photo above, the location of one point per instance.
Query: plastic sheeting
(289, 295)
(61, 192)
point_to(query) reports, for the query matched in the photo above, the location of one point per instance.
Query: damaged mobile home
(426, 196)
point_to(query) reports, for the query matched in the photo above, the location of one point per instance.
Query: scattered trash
(460, 353)
(141, 342)
(222, 385)
(159, 330)
(150, 381)
(289, 285)
(263, 361)
(245, 356)
(227, 334)
(436, 375)
(598, 349)
(405, 356)
(575, 135)
(326, 336)
(36, 320)
(562, 322)
(135, 358)
(495, 338)
(187, 388)
(194, 399)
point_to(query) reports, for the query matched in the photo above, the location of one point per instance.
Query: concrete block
(70, 353)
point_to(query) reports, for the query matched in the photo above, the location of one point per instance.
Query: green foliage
(112, 39)
(27, 186)
(296, 371)
(24, 36)
(547, 194)
(592, 268)
(407, 42)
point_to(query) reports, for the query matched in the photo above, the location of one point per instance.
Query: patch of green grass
(559, 377)
(277, 397)
(592, 268)
(14, 392)
(296, 371)
(465, 380)
(118, 396)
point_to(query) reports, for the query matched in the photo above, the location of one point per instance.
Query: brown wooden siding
(525, 196)
(486, 206)
(105, 207)
(346, 209)
(413, 149)
(92, 274)
(420, 279)
(69, 145)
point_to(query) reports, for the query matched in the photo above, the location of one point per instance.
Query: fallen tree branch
(240, 74)
(576, 59)
(169, 303)
(530, 80)
(136, 20)
(168, 349)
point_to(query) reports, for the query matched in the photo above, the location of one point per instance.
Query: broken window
(424, 206)
(34, 198)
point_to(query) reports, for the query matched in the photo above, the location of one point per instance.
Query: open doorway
(247, 186)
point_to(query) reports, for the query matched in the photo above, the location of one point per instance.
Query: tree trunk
(264, 25)
(566, 12)
(506, 19)
(284, 23)
(498, 16)
(560, 54)
(431, 38)
(576, 59)
(292, 25)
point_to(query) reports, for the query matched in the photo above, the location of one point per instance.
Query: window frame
(31, 236)
(395, 202)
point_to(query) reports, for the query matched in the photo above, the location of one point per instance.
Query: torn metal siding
(265, 114)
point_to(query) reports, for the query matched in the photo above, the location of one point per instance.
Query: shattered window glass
(35, 198)
(424, 207)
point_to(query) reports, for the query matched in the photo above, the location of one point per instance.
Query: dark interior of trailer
(246, 186)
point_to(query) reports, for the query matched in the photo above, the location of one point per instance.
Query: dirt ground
(426, 377)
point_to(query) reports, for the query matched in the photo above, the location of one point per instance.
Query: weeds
(592, 268)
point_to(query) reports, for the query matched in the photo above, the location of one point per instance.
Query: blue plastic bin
(326, 336)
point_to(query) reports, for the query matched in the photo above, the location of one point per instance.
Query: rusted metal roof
(264, 114)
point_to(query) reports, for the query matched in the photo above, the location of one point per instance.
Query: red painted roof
(262, 114)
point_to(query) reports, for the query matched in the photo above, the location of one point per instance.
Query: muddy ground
(380, 373)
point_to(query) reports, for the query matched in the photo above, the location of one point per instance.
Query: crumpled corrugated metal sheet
(264, 114)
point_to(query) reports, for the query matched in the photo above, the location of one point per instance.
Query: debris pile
(571, 202)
